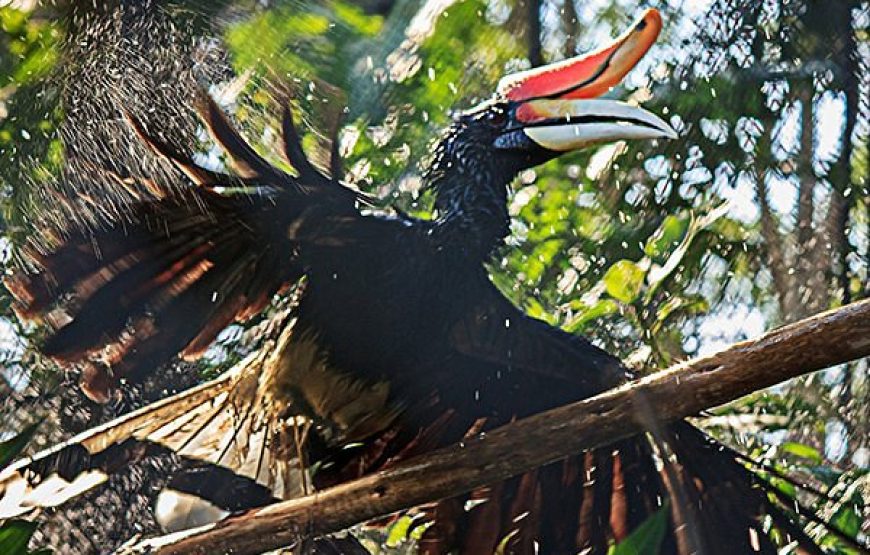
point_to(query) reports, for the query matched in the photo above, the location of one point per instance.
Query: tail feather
(82, 253)
(594, 514)
(525, 512)
(195, 173)
(484, 520)
(591, 501)
(121, 288)
(639, 477)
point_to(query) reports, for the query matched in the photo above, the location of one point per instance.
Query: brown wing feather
(243, 158)
(176, 270)
(195, 173)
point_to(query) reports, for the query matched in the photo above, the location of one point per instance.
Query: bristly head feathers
(470, 177)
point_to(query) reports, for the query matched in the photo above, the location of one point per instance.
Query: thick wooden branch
(819, 342)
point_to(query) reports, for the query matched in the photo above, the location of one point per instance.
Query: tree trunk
(570, 25)
(533, 32)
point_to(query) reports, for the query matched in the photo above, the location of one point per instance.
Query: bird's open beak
(562, 125)
(555, 105)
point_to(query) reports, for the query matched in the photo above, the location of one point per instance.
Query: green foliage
(405, 532)
(11, 448)
(329, 55)
(301, 43)
(669, 235)
(16, 534)
(30, 47)
(398, 532)
(802, 451)
(647, 538)
(14, 537)
(28, 54)
(624, 281)
(587, 315)
(847, 519)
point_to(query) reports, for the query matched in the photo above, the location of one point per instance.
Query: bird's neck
(472, 208)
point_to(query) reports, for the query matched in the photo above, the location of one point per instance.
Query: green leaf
(802, 451)
(418, 530)
(11, 448)
(624, 280)
(667, 237)
(659, 273)
(846, 520)
(354, 17)
(399, 531)
(535, 309)
(583, 317)
(784, 486)
(685, 306)
(647, 538)
(14, 536)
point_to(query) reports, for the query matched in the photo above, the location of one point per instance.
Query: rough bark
(846, 53)
(843, 191)
(824, 340)
(806, 206)
(812, 257)
(774, 243)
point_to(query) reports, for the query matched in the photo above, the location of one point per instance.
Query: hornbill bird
(398, 342)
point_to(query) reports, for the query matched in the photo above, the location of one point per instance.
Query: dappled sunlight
(657, 251)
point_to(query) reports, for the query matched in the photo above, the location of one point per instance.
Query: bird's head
(538, 114)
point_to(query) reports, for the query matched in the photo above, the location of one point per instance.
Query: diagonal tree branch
(818, 342)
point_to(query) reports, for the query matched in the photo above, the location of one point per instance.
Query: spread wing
(178, 269)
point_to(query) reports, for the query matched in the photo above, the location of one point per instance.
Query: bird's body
(392, 306)
(401, 309)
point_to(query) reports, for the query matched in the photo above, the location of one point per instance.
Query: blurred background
(757, 216)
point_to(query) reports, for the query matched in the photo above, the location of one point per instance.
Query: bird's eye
(496, 117)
